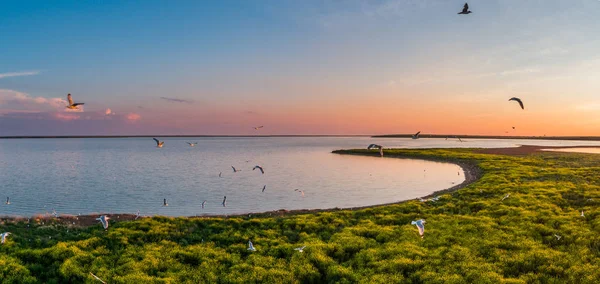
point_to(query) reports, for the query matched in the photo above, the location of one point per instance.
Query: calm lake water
(123, 175)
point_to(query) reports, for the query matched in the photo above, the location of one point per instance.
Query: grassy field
(471, 236)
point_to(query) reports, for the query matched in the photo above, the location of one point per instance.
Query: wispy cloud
(11, 96)
(133, 117)
(176, 100)
(18, 74)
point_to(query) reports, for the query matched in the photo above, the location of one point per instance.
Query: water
(84, 176)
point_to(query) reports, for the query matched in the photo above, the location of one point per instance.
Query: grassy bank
(471, 236)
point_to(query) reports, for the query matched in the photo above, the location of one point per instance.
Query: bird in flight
(264, 187)
(137, 215)
(72, 105)
(416, 136)
(165, 202)
(97, 278)
(159, 144)
(465, 10)
(373, 146)
(224, 201)
(7, 200)
(517, 100)
(203, 203)
(220, 174)
(506, 196)
(260, 168)
(192, 144)
(3, 237)
(251, 246)
(420, 226)
(104, 220)
(234, 170)
(557, 237)
(300, 249)
(258, 127)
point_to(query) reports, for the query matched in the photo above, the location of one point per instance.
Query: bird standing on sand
(224, 201)
(465, 10)
(7, 200)
(420, 226)
(104, 220)
(506, 196)
(251, 246)
(258, 127)
(416, 136)
(264, 187)
(165, 202)
(72, 105)
(97, 278)
(234, 170)
(260, 168)
(300, 249)
(3, 237)
(159, 144)
(518, 101)
(192, 144)
(203, 203)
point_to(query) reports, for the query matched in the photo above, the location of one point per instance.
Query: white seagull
(97, 278)
(203, 203)
(159, 144)
(3, 237)
(224, 201)
(416, 136)
(506, 196)
(381, 151)
(582, 215)
(104, 220)
(192, 144)
(557, 237)
(250, 246)
(420, 226)
(137, 215)
(371, 146)
(300, 249)
(72, 105)
(260, 168)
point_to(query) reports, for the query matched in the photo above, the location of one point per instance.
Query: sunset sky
(300, 67)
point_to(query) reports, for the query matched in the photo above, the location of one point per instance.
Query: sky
(300, 67)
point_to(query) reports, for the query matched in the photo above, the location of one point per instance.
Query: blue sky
(300, 67)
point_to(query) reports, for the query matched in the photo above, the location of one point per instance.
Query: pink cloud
(66, 116)
(133, 117)
(108, 111)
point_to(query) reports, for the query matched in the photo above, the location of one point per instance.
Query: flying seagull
(165, 202)
(416, 136)
(159, 144)
(7, 200)
(97, 278)
(300, 249)
(420, 226)
(104, 220)
(506, 196)
(3, 236)
(557, 237)
(224, 201)
(234, 170)
(137, 215)
(264, 187)
(203, 203)
(260, 168)
(192, 144)
(251, 246)
(517, 100)
(258, 127)
(465, 10)
(72, 105)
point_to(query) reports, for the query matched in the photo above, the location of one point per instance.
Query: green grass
(471, 236)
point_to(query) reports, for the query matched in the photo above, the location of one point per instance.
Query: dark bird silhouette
(234, 170)
(465, 10)
(7, 200)
(416, 136)
(260, 168)
(165, 202)
(513, 127)
(224, 201)
(159, 144)
(373, 146)
(517, 100)
(264, 187)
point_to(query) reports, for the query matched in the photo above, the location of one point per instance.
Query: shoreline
(472, 173)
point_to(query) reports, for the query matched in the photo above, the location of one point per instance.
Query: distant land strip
(175, 136)
(454, 136)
